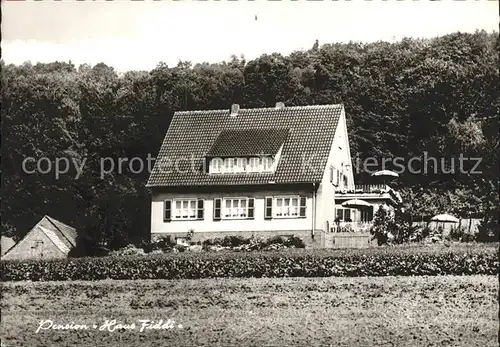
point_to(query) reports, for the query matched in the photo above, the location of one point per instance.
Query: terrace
(352, 225)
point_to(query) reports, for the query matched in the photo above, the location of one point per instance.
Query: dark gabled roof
(192, 135)
(248, 142)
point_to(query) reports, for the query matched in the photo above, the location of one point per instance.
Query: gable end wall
(22, 250)
(326, 191)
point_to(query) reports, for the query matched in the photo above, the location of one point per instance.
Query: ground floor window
(184, 209)
(286, 206)
(367, 214)
(364, 214)
(344, 215)
(235, 208)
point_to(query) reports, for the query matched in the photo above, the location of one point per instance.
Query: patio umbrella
(445, 218)
(385, 173)
(355, 203)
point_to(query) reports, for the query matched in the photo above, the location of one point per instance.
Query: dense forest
(435, 96)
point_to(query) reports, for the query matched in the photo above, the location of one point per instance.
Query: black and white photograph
(250, 173)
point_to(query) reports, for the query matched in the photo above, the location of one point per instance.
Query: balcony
(370, 190)
(364, 188)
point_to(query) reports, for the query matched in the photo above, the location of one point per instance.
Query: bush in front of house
(240, 243)
(230, 241)
(164, 244)
(128, 250)
(382, 227)
(383, 261)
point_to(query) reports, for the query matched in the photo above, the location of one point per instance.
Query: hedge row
(290, 263)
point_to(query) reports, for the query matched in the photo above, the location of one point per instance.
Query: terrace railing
(351, 227)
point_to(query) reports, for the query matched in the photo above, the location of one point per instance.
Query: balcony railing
(370, 189)
(365, 188)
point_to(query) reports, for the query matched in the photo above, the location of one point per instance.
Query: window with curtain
(234, 208)
(185, 209)
(286, 206)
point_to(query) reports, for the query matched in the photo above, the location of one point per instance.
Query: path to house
(388, 311)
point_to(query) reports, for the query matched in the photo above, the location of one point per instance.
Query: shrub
(383, 261)
(234, 241)
(460, 234)
(420, 234)
(128, 250)
(239, 243)
(295, 241)
(382, 226)
(398, 228)
(488, 230)
(290, 241)
(180, 248)
(163, 244)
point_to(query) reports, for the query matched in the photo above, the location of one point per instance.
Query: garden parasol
(444, 218)
(385, 175)
(355, 203)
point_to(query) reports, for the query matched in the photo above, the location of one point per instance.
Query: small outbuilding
(48, 239)
(6, 244)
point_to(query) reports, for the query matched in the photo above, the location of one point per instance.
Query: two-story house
(263, 171)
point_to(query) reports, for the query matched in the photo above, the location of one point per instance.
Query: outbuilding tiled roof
(68, 233)
(56, 239)
(308, 133)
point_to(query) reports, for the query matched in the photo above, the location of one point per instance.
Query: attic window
(242, 165)
(216, 165)
(253, 165)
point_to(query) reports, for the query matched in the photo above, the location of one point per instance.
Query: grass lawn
(362, 311)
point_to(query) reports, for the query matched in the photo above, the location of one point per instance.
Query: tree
(435, 95)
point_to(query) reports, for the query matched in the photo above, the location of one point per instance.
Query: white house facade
(264, 171)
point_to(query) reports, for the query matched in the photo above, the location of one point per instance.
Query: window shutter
(303, 201)
(331, 174)
(337, 178)
(268, 211)
(347, 215)
(167, 211)
(370, 214)
(340, 214)
(200, 209)
(217, 204)
(251, 208)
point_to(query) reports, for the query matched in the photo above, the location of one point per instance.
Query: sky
(133, 35)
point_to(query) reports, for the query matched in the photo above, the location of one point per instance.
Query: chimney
(235, 108)
(280, 105)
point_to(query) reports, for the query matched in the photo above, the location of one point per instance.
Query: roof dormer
(246, 151)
